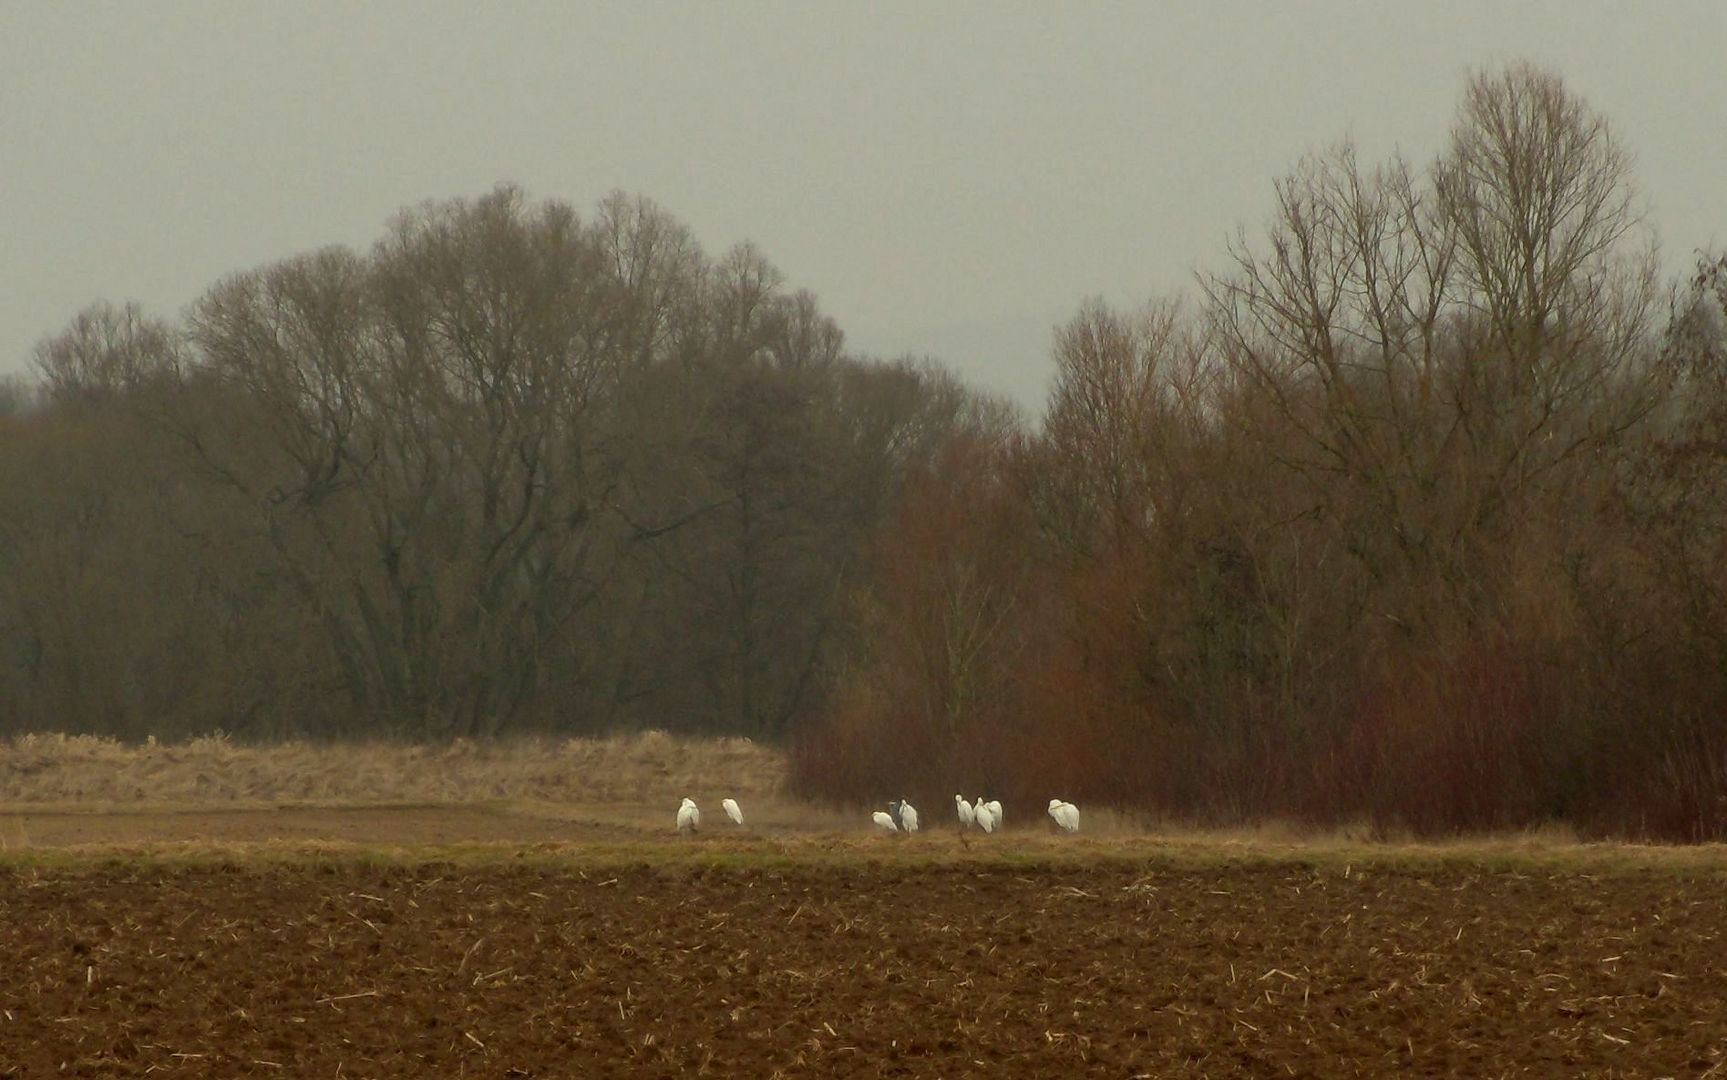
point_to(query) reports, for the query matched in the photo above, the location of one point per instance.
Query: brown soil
(1117, 970)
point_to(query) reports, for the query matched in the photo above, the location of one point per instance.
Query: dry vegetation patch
(82, 769)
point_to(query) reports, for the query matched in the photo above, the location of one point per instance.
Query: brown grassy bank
(82, 769)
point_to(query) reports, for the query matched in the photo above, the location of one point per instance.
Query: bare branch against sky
(951, 180)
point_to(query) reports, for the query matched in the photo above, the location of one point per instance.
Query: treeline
(512, 470)
(1416, 517)
(1416, 520)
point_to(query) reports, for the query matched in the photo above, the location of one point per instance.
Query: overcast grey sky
(949, 179)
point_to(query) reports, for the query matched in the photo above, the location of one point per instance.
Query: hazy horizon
(950, 182)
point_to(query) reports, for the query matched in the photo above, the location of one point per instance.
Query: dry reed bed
(59, 769)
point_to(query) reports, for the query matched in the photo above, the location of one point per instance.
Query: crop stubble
(339, 968)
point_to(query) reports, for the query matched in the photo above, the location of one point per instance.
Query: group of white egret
(981, 815)
(901, 816)
(690, 815)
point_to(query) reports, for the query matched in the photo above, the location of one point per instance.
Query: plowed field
(339, 967)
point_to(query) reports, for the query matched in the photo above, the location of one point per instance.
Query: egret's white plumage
(966, 815)
(995, 812)
(689, 817)
(985, 819)
(907, 816)
(731, 808)
(885, 820)
(1065, 814)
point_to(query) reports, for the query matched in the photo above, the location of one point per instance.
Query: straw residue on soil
(678, 969)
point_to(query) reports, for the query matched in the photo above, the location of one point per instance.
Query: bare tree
(1694, 351)
(17, 395)
(107, 351)
(1338, 329)
(1128, 401)
(1537, 191)
(438, 412)
(1557, 272)
(1444, 347)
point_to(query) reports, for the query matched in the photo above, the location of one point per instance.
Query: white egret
(995, 812)
(1065, 814)
(689, 817)
(1055, 814)
(966, 814)
(885, 820)
(731, 808)
(907, 816)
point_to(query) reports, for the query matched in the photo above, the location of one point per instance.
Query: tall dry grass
(62, 769)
